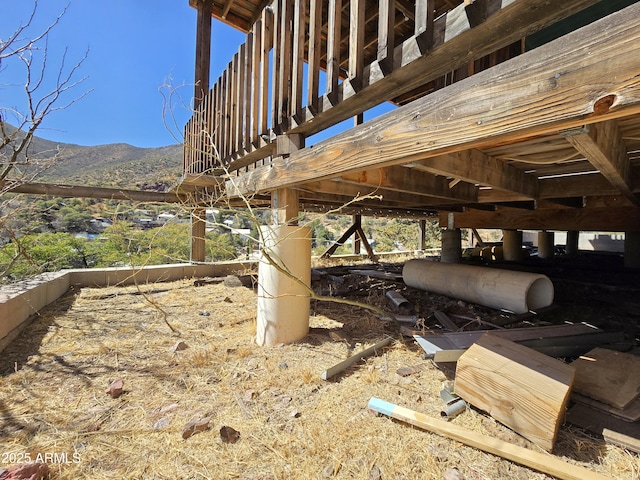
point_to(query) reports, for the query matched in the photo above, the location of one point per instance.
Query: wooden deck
(489, 130)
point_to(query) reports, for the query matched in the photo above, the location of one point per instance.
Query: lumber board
(614, 430)
(488, 105)
(523, 389)
(541, 462)
(342, 366)
(608, 376)
(631, 413)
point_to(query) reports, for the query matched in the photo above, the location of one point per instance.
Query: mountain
(112, 165)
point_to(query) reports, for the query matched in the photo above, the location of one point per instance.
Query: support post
(202, 67)
(422, 234)
(632, 249)
(571, 247)
(356, 238)
(546, 244)
(451, 246)
(284, 273)
(512, 245)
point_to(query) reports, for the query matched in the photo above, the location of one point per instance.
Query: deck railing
(273, 86)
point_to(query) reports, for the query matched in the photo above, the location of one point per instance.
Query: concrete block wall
(21, 302)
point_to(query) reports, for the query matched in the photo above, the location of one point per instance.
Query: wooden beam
(476, 167)
(541, 462)
(203, 50)
(403, 179)
(342, 366)
(602, 144)
(198, 232)
(584, 219)
(313, 78)
(81, 191)
(356, 43)
(486, 107)
(386, 31)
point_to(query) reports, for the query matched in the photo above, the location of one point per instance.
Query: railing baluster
(227, 112)
(333, 48)
(254, 88)
(275, 83)
(299, 23)
(248, 69)
(284, 86)
(219, 121)
(241, 91)
(266, 40)
(315, 34)
(233, 141)
(386, 38)
(212, 127)
(356, 43)
(425, 12)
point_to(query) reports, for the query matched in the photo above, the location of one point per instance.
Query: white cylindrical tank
(518, 292)
(283, 301)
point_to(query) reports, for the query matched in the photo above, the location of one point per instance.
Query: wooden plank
(425, 12)
(472, 110)
(447, 356)
(256, 54)
(386, 31)
(356, 43)
(445, 321)
(313, 75)
(284, 79)
(333, 48)
(342, 366)
(631, 413)
(275, 72)
(538, 461)
(241, 96)
(523, 389)
(617, 219)
(266, 37)
(614, 430)
(297, 77)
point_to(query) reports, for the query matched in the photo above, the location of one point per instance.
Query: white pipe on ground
(283, 301)
(515, 291)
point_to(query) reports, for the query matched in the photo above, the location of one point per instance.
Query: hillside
(112, 165)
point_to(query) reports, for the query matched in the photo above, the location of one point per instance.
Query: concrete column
(546, 245)
(451, 246)
(571, 248)
(632, 249)
(512, 245)
(284, 273)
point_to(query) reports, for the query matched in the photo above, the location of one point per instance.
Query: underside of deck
(489, 130)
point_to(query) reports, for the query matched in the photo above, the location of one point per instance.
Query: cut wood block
(608, 376)
(521, 388)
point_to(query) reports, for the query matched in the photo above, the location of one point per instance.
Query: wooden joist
(523, 389)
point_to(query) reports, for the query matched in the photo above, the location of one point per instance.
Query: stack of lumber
(607, 396)
(520, 387)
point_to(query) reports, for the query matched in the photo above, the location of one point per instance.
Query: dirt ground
(291, 423)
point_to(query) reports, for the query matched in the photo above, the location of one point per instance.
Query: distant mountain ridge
(111, 165)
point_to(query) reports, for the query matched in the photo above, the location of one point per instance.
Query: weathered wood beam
(591, 219)
(545, 90)
(401, 179)
(81, 191)
(476, 167)
(350, 191)
(602, 144)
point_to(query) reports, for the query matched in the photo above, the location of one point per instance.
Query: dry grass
(292, 424)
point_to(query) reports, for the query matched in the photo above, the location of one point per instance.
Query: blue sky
(135, 47)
